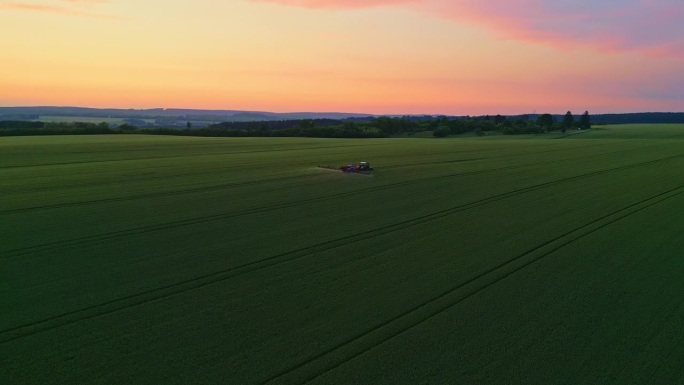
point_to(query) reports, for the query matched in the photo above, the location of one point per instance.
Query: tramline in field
(497, 260)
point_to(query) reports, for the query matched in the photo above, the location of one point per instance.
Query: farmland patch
(466, 260)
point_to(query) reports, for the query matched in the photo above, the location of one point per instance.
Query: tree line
(380, 127)
(28, 128)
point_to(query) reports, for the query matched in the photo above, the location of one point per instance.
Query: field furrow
(112, 305)
(138, 259)
(333, 358)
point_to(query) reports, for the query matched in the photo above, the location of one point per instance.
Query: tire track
(173, 166)
(349, 349)
(121, 303)
(177, 156)
(404, 165)
(158, 194)
(217, 217)
(229, 185)
(147, 176)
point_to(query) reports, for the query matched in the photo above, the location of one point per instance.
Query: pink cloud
(651, 27)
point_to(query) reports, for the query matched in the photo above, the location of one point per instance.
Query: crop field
(135, 259)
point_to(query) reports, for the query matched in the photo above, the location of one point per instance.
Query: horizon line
(330, 112)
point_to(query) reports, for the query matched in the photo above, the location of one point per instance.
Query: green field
(135, 259)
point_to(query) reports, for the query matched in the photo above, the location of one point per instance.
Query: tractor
(361, 167)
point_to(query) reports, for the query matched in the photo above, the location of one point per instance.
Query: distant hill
(170, 117)
(164, 115)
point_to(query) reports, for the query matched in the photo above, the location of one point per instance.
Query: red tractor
(361, 167)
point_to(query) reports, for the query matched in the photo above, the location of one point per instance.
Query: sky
(456, 57)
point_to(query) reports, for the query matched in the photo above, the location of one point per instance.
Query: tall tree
(545, 121)
(568, 121)
(585, 121)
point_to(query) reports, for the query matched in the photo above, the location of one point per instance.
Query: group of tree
(383, 127)
(512, 125)
(378, 127)
(29, 128)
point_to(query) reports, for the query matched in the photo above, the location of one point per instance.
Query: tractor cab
(365, 166)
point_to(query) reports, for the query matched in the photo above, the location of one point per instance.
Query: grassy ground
(638, 131)
(141, 259)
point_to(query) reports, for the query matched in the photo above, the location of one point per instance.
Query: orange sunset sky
(382, 56)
